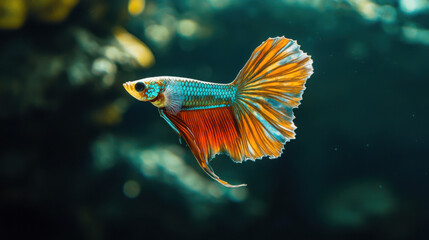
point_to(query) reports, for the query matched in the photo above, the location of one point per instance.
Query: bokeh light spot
(239, 194)
(159, 34)
(131, 189)
(187, 27)
(135, 7)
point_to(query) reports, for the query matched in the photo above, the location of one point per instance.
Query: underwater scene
(95, 145)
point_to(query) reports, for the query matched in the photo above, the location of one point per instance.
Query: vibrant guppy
(249, 118)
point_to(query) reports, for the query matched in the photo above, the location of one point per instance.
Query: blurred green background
(81, 159)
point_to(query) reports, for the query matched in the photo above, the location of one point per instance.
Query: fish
(247, 119)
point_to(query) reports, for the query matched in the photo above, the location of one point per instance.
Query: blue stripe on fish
(206, 107)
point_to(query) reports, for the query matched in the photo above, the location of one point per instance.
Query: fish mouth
(129, 87)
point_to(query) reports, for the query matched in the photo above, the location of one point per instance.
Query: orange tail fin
(269, 86)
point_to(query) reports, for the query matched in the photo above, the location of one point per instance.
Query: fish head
(147, 89)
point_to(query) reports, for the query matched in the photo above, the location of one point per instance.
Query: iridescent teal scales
(203, 95)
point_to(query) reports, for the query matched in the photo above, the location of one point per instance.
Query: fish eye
(139, 87)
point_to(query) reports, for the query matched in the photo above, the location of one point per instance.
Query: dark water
(81, 159)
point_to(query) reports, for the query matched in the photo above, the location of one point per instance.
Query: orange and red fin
(269, 86)
(207, 132)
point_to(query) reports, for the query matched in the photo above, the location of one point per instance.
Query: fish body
(194, 94)
(249, 118)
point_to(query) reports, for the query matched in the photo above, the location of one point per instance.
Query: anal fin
(207, 133)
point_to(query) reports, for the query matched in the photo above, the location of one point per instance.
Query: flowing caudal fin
(269, 86)
(207, 133)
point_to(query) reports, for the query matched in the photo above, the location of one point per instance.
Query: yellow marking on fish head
(147, 89)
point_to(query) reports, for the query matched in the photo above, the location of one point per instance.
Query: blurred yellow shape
(136, 48)
(51, 10)
(135, 7)
(108, 115)
(12, 14)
